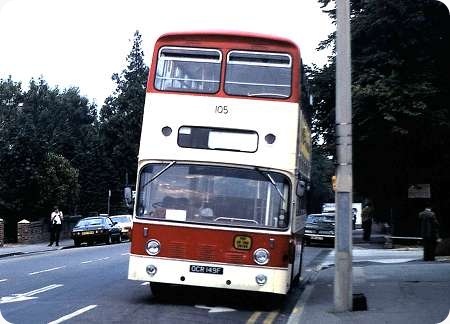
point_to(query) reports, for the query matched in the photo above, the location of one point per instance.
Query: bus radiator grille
(177, 250)
(233, 257)
(207, 252)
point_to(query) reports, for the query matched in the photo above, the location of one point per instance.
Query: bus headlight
(153, 247)
(261, 256)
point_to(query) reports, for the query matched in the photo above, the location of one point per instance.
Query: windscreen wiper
(167, 167)
(268, 176)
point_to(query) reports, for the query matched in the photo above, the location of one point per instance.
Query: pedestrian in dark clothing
(366, 217)
(429, 231)
(56, 219)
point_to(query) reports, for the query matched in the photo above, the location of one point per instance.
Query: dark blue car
(320, 228)
(98, 229)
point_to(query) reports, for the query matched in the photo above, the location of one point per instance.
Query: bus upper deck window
(258, 74)
(185, 69)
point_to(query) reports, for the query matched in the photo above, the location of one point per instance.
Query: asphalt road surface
(89, 285)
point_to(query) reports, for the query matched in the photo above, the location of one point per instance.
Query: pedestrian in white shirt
(56, 219)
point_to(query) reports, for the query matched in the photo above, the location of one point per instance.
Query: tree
(46, 137)
(121, 122)
(58, 184)
(322, 169)
(65, 123)
(400, 74)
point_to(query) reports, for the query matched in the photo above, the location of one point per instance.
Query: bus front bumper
(215, 275)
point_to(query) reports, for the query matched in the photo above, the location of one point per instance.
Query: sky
(82, 43)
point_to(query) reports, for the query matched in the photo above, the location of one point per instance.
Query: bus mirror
(128, 196)
(301, 186)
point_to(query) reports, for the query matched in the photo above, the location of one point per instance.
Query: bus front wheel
(159, 290)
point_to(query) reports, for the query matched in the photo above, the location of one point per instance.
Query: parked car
(125, 222)
(96, 229)
(320, 228)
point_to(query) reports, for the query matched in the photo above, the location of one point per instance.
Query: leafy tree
(42, 129)
(400, 77)
(322, 169)
(66, 124)
(58, 184)
(121, 121)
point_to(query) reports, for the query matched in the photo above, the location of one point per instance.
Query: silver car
(125, 223)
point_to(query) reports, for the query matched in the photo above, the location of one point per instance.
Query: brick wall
(39, 231)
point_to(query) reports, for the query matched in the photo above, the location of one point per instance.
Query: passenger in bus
(206, 212)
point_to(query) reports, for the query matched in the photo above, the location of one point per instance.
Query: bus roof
(257, 41)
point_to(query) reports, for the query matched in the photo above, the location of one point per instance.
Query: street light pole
(344, 187)
(109, 201)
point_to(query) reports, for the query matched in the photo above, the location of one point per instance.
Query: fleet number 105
(221, 110)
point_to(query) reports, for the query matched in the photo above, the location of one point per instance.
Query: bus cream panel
(264, 117)
(241, 277)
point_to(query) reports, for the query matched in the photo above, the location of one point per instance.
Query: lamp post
(109, 200)
(344, 177)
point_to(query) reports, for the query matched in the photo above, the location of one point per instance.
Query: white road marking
(27, 295)
(3, 320)
(3, 280)
(216, 309)
(145, 283)
(95, 260)
(46, 270)
(128, 253)
(72, 315)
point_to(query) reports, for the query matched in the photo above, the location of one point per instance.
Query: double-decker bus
(224, 161)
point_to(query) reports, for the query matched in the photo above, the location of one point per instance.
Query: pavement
(389, 285)
(11, 249)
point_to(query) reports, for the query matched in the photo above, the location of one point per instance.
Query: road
(89, 284)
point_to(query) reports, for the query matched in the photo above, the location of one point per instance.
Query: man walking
(429, 232)
(366, 218)
(56, 219)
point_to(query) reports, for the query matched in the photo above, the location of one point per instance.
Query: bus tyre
(307, 241)
(159, 290)
(276, 300)
(77, 243)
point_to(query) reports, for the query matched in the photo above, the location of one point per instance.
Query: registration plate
(87, 233)
(205, 269)
(320, 238)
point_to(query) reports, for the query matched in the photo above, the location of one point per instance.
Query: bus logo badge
(242, 242)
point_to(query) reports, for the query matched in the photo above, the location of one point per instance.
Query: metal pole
(109, 201)
(343, 196)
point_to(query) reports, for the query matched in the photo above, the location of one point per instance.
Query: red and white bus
(224, 160)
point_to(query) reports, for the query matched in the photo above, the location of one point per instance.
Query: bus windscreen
(258, 74)
(214, 195)
(188, 70)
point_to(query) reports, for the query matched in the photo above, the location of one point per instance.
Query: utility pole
(344, 185)
(109, 201)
